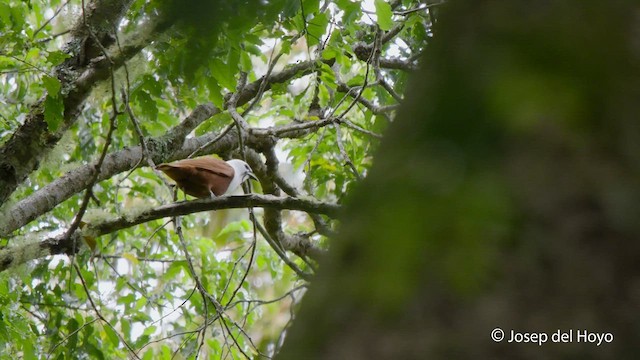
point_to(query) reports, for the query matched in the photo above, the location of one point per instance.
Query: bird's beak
(253, 176)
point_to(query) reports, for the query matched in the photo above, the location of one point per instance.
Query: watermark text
(558, 336)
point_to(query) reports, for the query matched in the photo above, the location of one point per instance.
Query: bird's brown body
(200, 177)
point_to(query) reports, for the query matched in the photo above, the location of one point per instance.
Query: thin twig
(224, 132)
(99, 315)
(194, 275)
(66, 338)
(58, 10)
(52, 37)
(357, 128)
(343, 152)
(240, 122)
(280, 252)
(263, 85)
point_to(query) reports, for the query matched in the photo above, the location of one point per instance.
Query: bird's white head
(241, 172)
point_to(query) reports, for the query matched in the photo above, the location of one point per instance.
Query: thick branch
(294, 70)
(399, 64)
(363, 52)
(13, 256)
(226, 202)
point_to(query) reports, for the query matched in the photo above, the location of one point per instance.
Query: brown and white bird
(207, 176)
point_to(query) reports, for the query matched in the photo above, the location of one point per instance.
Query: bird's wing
(211, 165)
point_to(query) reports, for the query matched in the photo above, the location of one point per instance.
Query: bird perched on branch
(207, 176)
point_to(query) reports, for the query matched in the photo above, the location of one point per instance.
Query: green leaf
(18, 17)
(310, 6)
(32, 55)
(56, 57)
(351, 10)
(327, 75)
(165, 352)
(149, 330)
(72, 326)
(93, 351)
(140, 303)
(290, 8)
(223, 73)
(279, 88)
(125, 325)
(153, 86)
(148, 355)
(233, 59)
(324, 95)
(236, 226)
(5, 14)
(316, 28)
(245, 62)
(146, 103)
(215, 92)
(112, 335)
(286, 45)
(254, 50)
(286, 112)
(357, 80)
(126, 299)
(329, 53)
(53, 112)
(173, 270)
(52, 85)
(28, 350)
(383, 13)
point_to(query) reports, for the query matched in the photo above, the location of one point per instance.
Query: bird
(208, 177)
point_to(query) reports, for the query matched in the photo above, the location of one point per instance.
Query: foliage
(322, 81)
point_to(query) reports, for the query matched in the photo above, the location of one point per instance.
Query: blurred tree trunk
(506, 195)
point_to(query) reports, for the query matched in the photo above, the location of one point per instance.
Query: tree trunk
(506, 195)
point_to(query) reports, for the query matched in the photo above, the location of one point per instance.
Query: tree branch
(13, 256)
(224, 202)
